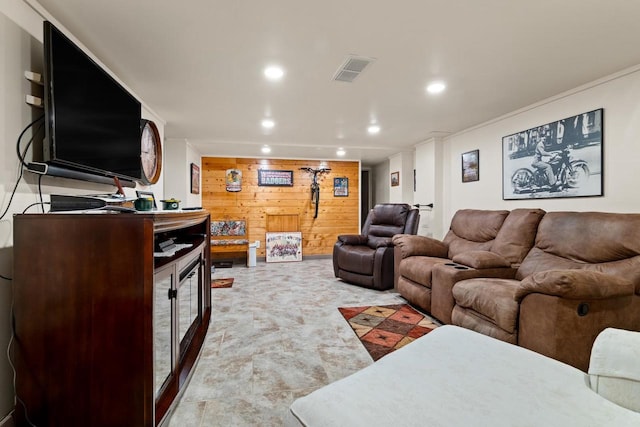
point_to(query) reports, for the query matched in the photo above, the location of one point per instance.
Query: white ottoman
(454, 377)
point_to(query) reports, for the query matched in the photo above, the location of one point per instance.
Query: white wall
(619, 95)
(403, 164)
(380, 181)
(178, 157)
(21, 50)
(428, 165)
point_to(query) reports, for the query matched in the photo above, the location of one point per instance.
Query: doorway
(365, 204)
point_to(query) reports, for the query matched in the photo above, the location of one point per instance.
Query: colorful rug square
(222, 283)
(383, 329)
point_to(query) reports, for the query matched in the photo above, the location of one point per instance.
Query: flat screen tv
(92, 122)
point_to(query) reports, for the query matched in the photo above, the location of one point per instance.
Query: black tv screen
(92, 122)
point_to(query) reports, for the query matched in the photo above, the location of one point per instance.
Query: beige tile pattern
(275, 335)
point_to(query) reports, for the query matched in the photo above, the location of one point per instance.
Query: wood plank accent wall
(337, 215)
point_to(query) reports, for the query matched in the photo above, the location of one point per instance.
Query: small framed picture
(340, 187)
(395, 179)
(195, 179)
(471, 166)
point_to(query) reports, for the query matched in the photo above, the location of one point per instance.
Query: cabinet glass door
(188, 300)
(162, 326)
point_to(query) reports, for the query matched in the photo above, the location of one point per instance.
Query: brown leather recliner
(367, 259)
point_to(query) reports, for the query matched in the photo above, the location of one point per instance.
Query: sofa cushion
(493, 299)
(517, 234)
(388, 219)
(473, 229)
(418, 268)
(481, 259)
(357, 259)
(605, 242)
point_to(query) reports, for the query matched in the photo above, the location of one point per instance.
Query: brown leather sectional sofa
(549, 282)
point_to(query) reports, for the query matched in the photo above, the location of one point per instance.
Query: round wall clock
(151, 152)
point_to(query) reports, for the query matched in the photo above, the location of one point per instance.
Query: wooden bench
(229, 237)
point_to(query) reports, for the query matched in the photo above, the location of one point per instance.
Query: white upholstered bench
(454, 377)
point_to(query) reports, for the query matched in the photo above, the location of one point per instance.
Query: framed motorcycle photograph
(555, 160)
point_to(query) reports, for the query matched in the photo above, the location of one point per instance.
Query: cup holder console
(456, 266)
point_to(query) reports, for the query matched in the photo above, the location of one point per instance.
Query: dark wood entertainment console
(107, 331)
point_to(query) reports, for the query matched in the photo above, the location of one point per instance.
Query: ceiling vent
(351, 68)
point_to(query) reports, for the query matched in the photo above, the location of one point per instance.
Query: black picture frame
(275, 178)
(148, 195)
(341, 187)
(572, 147)
(471, 166)
(195, 179)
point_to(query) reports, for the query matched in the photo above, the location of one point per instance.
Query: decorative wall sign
(275, 178)
(559, 159)
(471, 166)
(233, 180)
(395, 179)
(284, 246)
(195, 179)
(340, 187)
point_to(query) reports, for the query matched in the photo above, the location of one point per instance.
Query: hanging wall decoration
(395, 179)
(233, 180)
(275, 178)
(471, 166)
(195, 179)
(340, 187)
(558, 159)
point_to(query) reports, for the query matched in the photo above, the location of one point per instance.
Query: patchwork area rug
(222, 283)
(385, 328)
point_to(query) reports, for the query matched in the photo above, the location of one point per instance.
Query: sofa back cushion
(517, 234)
(386, 220)
(605, 242)
(473, 230)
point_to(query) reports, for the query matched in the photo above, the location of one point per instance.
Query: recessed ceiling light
(341, 152)
(373, 129)
(436, 87)
(266, 149)
(268, 123)
(273, 72)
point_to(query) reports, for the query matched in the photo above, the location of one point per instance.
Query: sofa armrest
(352, 239)
(481, 259)
(574, 284)
(614, 367)
(412, 245)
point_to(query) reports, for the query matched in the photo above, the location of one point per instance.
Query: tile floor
(275, 335)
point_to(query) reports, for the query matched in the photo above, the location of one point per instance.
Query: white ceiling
(198, 64)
